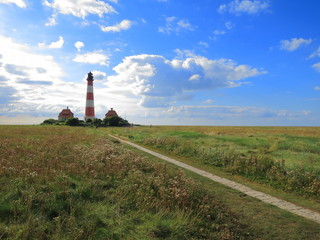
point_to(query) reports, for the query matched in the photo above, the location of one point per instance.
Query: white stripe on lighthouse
(90, 88)
(89, 103)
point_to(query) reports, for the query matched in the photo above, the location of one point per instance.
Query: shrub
(115, 121)
(72, 121)
(50, 121)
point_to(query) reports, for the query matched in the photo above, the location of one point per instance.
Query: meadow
(75, 183)
(60, 182)
(286, 158)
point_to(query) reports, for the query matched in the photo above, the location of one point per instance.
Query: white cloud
(80, 8)
(229, 25)
(195, 77)
(315, 54)
(316, 66)
(96, 57)
(57, 44)
(239, 7)
(208, 101)
(52, 20)
(204, 44)
(316, 88)
(32, 82)
(294, 44)
(19, 3)
(184, 24)
(174, 25)
(156, 80)
(78, 45)
(219, 32)
(32, 89)
(123, 25)
(99, 76)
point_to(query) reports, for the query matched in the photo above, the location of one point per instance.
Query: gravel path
(290, 207)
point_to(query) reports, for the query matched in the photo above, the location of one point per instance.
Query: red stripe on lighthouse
(89, 111)
(89, 95)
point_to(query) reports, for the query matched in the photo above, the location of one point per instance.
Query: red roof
(111, 113)
(66, 113)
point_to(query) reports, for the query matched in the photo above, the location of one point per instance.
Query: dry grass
(70, 183)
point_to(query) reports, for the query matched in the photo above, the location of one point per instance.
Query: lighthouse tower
(89, 101)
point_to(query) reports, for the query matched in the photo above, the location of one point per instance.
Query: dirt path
(290, 207)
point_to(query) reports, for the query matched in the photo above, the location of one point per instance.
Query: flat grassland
(74, 183)
(59, 182)
(281, 161)
(298, 146)
(286, 158)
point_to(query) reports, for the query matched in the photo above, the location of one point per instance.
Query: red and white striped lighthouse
(89, 101)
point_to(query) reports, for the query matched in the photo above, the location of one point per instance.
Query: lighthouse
(89, 114)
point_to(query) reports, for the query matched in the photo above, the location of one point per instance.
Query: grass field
(72, 183)
(286, 158)
(76, 183)
(298, 146)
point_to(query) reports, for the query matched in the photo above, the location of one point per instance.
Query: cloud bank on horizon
(236, 62)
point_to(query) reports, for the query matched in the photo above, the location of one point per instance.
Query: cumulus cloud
(57, 44)
(159, 81)
(123, 25)
(52, 20)
(294, 44)
(18, 59)
(96, 57)
(176, 25)
(31, 82)
(316, 66)
(99, 76)
(19, 3)
(78, 45)
(80, 8)
(239, 7)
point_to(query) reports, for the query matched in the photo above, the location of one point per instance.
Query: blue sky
(185, 62)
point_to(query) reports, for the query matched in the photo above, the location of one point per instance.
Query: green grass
(268, 221)
(283, 158)
(280, 142)
(74, 183)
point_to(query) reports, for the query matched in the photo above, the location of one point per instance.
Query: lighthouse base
(89, 117)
